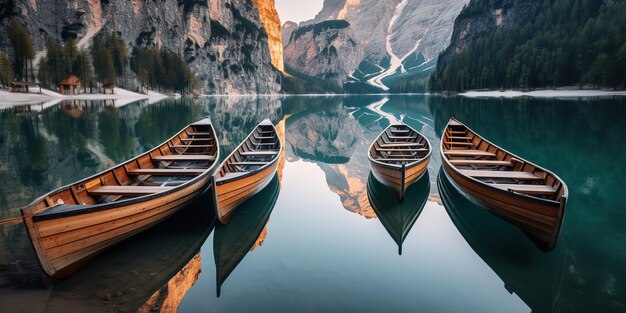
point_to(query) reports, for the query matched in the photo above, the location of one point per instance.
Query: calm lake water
(311, 241)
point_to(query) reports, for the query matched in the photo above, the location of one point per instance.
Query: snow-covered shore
(556, 93)
(122, 97)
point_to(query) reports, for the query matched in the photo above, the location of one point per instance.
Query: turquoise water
(323, 247)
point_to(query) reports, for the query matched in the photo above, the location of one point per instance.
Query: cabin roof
(19, 83)
(71, 80)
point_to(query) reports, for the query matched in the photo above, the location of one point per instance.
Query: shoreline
(547, 93)
(49, 97)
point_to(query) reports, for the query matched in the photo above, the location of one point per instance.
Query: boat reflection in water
(147, 273)
(398, 217)
(234, 240)
(537, 277)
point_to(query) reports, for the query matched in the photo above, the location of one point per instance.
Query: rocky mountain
(398, 39)
(288, 28)
(326, 50)
(229, 44)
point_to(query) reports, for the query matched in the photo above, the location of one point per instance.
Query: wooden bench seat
(264, 143)
(481, 162)
(403, 150)
(455, 143)
(191, 146)
(461, 138)
(400, 131)
(401, 137)
(197, 139)
(262, 137)
(501, 174)
(456, 132)
(469, 153)
(527, 189)
(127, 190)
(258, 152)
(401, 144)
(199, 134)
(167, 172)
(184, 158)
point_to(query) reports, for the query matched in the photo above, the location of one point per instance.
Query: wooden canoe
(524, 193)
(70, 225)
(399, 157)
(247, 170)
(398, 217)
(232, 242)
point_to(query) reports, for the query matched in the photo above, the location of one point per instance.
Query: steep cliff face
(271, 23)
(288, 28)
(498, 14)
(398, 38)
(326, 50)
(224, 41)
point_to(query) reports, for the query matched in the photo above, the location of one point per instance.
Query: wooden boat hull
(66, 235)
(399, 157)
(399, 179)
(398, 217)
(247, 170)
(540, 218)
(231, 194)
(233, 241)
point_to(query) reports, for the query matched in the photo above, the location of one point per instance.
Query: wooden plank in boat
(461, 138)
(184, 158)
(500, 174)
(192, 146)
(469, 153)
(401, 144)
(481, 162)
(127, 190)
(459, 143)
(403, 150)
(197, 139)
(528, 189)
(199, 134)
(400, 131)
(167, 172)
(255, 153)
(232, 175)
(401, 137)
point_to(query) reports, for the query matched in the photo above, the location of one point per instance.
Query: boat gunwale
(399, 166)
(30, 210)
(256, 171)
(524, 196)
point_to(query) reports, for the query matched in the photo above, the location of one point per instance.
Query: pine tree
(23, 51)
(6, 70)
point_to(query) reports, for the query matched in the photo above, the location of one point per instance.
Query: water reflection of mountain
(579, 146)
(536, 277)
(235, 117)
(245, 231)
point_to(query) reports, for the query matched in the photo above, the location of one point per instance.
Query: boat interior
(188, 154)
(399, 144)
(477, 158)
(260, 148)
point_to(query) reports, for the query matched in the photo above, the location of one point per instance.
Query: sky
(298, 10)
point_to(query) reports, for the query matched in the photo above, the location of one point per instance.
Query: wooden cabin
(24, 87)
(108, 87)
(70, 85)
